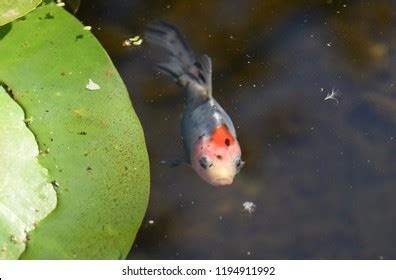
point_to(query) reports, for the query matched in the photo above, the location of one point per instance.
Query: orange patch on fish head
(222, 136)
(217, 158)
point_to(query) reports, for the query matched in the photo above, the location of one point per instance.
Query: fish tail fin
(181, 64)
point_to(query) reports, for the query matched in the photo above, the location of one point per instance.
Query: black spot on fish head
(227, 142)
(220, 157)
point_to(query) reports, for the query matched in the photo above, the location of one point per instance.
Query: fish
(208, 133)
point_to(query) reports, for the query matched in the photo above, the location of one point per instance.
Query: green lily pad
(91, 141)
(12, 9)
(26, 195)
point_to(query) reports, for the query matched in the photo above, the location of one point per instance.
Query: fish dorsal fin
(204, 67)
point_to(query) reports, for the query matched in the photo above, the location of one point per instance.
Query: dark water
(322, 174)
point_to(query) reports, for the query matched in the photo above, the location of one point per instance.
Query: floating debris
(151, 222)
(55, 184)
(34, 209)
(60, 4)
(92, 85)
(333, 95)
(126, 43)
(136, 41)
(249, 207)
(88, 28)
(29, 120)
(13, 239)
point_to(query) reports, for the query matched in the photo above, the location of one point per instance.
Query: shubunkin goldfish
(208, 134)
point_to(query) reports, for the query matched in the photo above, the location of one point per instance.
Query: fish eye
(205, 162)
(239, 163)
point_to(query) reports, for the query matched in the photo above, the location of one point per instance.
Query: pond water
(321, 173)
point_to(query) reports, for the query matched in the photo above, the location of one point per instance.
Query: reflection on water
(321, 173)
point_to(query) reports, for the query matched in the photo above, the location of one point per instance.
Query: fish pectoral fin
(174, 163)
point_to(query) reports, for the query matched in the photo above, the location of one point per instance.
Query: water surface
(322, 173)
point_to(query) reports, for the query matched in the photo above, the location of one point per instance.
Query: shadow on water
(320, 172)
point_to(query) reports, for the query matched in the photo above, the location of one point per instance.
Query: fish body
(208, 134)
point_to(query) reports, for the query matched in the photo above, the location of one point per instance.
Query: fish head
(217, 159)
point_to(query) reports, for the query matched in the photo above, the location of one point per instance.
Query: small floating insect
(333, 95)
(208, 134)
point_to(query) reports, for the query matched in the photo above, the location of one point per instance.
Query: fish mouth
(223, 181)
